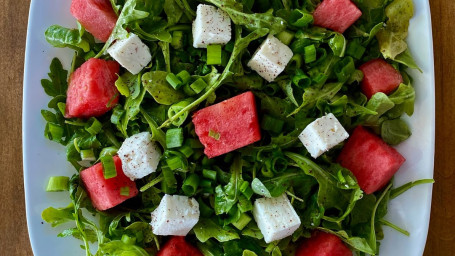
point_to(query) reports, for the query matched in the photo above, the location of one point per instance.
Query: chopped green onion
(246, 189)
(57, 184)
(272, 124)
(168, 179)
(206, 183)
(174, 138)
(177, 39)
(184, 76)
(214, 54)
(128, 240)
(309, 53)
(299, 18)
(125, 191)
(54, 132)
(109, 169)
(214, 134)
(209, 174)
(198, 85)
(190, 184)
(93, 126)
(188, 90)
(174, 81)
(88, 155)
(76, 144)
(207, 161)
(300, 79)
(355, 49)
(285, 37)
(197, 154)
(175, 163)
(176, 108)
(186, 150)
(242, 221)
(244, 204)
(344, 69)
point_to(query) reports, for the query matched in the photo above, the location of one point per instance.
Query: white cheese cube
(131, 53)
(276, 218)
(140, 155)
(175, 216)
(270, 58)
(212, 26)
(323, 134)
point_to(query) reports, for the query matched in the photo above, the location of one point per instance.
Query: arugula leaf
(406, 58)
(173, 12)
(227, 196)
(206, 229)
(251, 21)
(392, 38)
(61, 37)
(400, 190)
(119, 248)
(58, 216)
(163, 93)
(57, 85)
(395, 131)
(405, 94)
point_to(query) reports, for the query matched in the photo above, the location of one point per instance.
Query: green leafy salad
(249, 118)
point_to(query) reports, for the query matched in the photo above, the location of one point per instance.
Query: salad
(230, 127)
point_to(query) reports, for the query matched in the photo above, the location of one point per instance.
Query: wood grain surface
(14, 239)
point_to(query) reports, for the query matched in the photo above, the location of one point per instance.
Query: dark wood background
(14, 239)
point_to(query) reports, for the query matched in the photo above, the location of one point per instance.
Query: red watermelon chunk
(97, 17)
(323, 244)
(91, 90)
(379, 76)
(228, 125)
(337, 15)
(105, 193)
(178, 246)
(370, 159)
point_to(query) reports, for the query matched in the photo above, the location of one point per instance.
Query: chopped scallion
(174, 163)
(174, 81)
(128, 239)
(174, 138)
(88, 155)
(57, 184)
(242, 221)
(125, 191)
(186, 150)
(214, 134)
(209, 174)
(355, 49)
(198, 85)
(109, 169)
(310, 53)
(190, 184)
(93, 126)
(285, 37)
(184, 76)
(214, 54)
(177, 39)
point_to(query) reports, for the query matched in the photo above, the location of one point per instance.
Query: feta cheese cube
(175, 216)
(131, 53)
(212, 26)
(323, 134)
(270, 58)
(276, 218)
(140, 155)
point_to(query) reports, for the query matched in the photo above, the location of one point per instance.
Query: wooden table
(13, 229)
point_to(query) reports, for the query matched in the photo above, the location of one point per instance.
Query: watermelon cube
(178, 246)
(228, 125)
(337, 15)
(323, 244)
(97, 17)
(105, 193)
(379, 76)
(91, 90)
(370, 159)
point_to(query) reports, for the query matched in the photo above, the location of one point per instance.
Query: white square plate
(43, 158)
